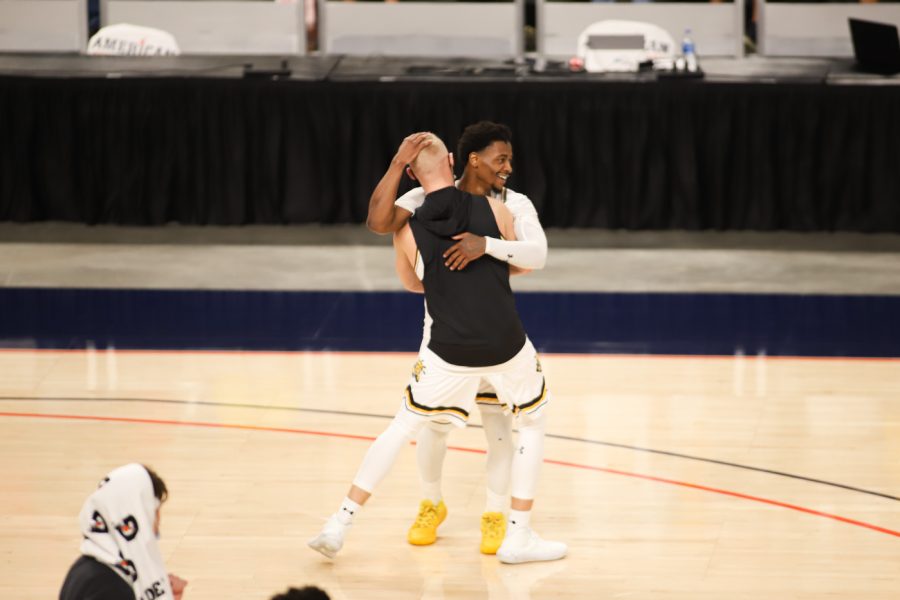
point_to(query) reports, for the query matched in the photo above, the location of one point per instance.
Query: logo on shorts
(538, 367)
(418, 369)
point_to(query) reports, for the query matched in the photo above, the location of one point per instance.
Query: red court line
(367, 438)
(747, 357)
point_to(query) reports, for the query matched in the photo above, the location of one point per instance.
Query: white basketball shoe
(522, 545)
(331, 539)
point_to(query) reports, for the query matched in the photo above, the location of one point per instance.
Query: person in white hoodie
(485, 149)
(120, 557)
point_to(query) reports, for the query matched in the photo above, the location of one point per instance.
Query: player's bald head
(431, 159)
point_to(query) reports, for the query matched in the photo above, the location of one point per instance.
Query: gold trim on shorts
(535, 404)
(428, 411)
(487, 398)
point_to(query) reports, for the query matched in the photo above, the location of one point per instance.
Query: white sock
(519, 518)
(495, 502)
(346, 511)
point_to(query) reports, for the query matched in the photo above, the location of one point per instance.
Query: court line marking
(241, 427)
(549, 435)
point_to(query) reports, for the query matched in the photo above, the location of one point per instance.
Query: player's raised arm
(384, 216)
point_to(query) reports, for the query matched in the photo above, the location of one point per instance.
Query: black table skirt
(613, 154)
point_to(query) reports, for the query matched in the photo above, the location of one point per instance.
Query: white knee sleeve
(499, 435)
(431, 447)
(528, 456)
(383, 452)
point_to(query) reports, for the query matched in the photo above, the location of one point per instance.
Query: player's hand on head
(469, 247)
(411, 146)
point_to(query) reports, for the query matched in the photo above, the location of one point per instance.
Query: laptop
(876, 46)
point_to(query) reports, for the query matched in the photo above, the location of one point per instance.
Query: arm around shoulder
(524, 244)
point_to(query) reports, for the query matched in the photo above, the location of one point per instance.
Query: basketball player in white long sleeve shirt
(486, 149)
(476, 334)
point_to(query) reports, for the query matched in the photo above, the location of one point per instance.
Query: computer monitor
(876, 46)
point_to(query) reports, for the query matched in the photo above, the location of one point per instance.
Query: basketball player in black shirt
(475, 333)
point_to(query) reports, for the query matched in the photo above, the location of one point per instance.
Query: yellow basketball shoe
(424, 531)
(493, 530)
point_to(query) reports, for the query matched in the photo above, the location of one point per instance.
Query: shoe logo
(521, 449)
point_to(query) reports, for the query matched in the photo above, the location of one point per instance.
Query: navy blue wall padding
(618, 323)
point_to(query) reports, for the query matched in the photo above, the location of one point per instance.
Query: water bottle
(688, 52)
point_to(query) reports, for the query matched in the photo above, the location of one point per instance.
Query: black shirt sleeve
(89, 579)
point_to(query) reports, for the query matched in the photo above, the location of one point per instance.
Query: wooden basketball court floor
(669, 477)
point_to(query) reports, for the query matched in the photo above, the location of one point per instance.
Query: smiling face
(492, 166)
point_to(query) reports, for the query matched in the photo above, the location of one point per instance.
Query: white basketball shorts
(440, 391)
